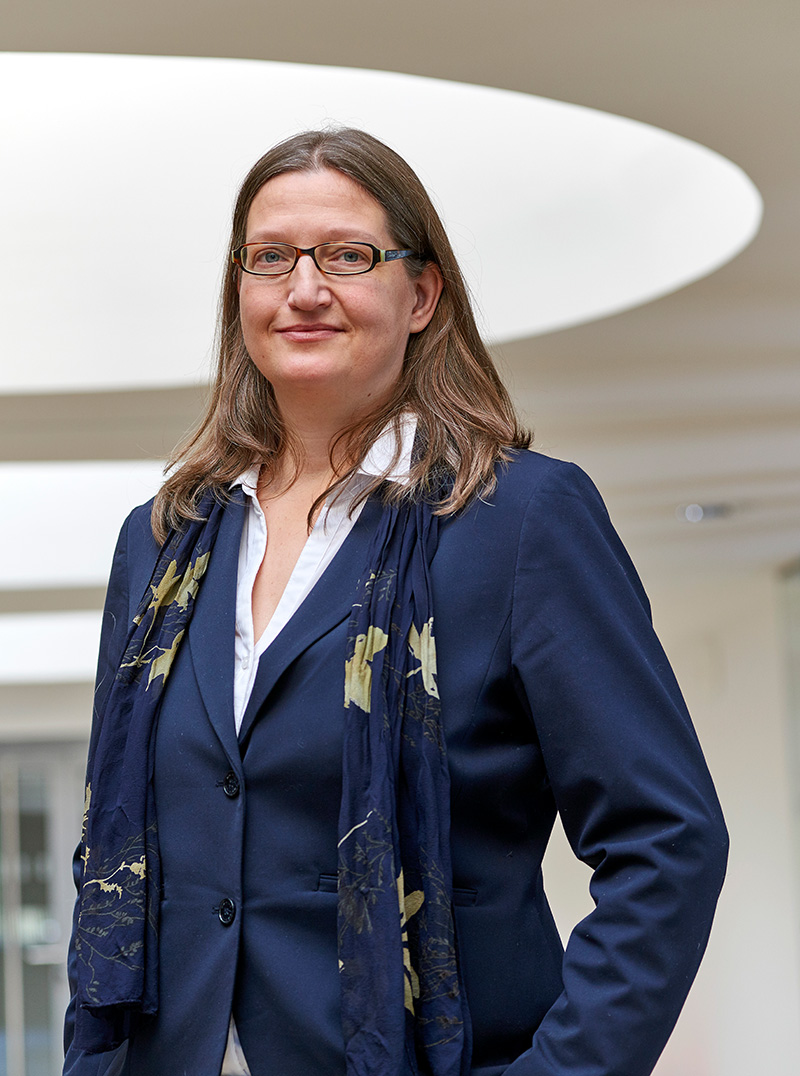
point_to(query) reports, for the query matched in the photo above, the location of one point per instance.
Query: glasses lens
(345, 258)
(268, 259)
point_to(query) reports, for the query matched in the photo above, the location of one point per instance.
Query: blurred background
(684, 409)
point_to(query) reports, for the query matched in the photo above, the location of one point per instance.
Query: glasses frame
(378, 256)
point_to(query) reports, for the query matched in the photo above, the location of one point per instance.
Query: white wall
(724, 636)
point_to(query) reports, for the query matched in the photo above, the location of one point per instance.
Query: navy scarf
(403, 1006)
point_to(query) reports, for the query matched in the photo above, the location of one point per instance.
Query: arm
(629, 781)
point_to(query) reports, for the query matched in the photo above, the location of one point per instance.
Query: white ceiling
(589, 215)
(692, 398)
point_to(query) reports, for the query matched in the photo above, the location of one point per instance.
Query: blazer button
(226, 911)
(230, 784)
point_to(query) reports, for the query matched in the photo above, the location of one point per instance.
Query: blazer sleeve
(630, 783)
(113, 636)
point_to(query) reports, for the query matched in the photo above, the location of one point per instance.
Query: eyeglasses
(335, 259)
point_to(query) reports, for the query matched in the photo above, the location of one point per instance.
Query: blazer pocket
(328, 883)
(462, 898)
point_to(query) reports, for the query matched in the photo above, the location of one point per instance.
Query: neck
(315, 423)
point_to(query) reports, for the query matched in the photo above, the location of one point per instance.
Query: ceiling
(692, 398)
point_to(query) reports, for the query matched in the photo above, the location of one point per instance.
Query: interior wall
(724, 636)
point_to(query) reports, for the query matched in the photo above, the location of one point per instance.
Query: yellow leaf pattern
(358, 671)
(87, 802)
(424, 650)
(161, 665)
(409, 905)
(173, 591)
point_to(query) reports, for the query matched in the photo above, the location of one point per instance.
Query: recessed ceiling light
(702, 513)
(558, 213)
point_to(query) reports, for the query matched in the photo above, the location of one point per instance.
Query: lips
(309, 332)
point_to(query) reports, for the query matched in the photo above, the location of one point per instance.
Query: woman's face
(342, 336)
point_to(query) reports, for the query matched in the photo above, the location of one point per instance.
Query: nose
(308, 286)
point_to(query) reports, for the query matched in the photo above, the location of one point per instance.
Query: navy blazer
(556, 696)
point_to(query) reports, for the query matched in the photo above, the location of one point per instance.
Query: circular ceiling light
(702, 513)
(559, 213)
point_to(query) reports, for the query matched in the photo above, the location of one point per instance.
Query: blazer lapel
(329, 602)
(213, 625)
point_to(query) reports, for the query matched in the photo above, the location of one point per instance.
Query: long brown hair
(465, 417)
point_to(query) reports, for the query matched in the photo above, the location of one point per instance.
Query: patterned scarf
(403, 1007)
(116, 935)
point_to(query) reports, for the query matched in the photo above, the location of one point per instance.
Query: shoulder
(132, 565)
(565, 532)
(548, 514)
(138, 550)
(537, 502)
(137, 534)
(527, 486)
(530, 478)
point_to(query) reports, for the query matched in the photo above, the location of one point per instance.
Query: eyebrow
(334, 235)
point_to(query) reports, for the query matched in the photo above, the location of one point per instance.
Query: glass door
(40, 816)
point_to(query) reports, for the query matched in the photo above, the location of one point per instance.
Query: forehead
(326, 203)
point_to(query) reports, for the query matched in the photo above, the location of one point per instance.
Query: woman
(380, 647)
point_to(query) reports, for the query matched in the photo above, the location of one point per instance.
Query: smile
(308, 333)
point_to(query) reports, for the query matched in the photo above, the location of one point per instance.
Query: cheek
(389, 313)
(255, 310)
(245, 320)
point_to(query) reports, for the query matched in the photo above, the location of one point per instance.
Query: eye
(270, 255)
(347, 257)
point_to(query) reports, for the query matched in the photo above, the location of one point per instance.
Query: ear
(427, 290)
